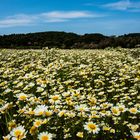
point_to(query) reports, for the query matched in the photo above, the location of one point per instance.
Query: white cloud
(54, 16)
(13, 22)
(55, 20)
(63, 16)
(67, 15)
(123, 5)
(16, 20)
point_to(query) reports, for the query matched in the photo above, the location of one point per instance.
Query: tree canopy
(65, 40)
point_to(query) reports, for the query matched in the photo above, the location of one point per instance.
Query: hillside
(65, 40)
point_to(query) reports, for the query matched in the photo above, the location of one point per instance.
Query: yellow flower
(92, 100)
(133, 110)
(11, 124)
(40, 89)
(61, 113)
(115, 111)
(48, 113)
(79, 134)
(30, 111)
(106, 128)
(133, 127)
(33, 130)
(37, 123)
(6, 137)
(112, 130)
(122, 108)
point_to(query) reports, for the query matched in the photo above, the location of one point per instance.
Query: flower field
(70, 94)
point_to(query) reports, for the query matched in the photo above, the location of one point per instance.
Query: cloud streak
(16, 20)
(67, 15)
(48, 17)
(123, 5)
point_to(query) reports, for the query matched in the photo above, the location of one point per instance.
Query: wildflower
(48, 113)
(30, 111)
(133, 127)
(122, 108)
(11, 125)
(70, 114)
(6, 137)
(65, 94)
(92, 100)
(82, 107)
(136, 135)
(106, 128)
(133, 110)
(8, 90)
(40, 89)
(105, 105)
(18, 132)
(54, 99)
(31, 84)
(112, 130)
(38, 123)
(45, 136)
(61, 113)
(67, 136)
(40, 110)
(33, 130)
(22, 96)
(115, 111)
(20, 84)
(79, 134)
(91, 127)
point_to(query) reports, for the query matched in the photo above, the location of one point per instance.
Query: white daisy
(91, 127)
(45, 136)
(40, 110)
(18, 132)
(22, 96)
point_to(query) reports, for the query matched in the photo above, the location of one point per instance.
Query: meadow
(70, 94)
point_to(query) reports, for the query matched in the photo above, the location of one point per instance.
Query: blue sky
(109, 17)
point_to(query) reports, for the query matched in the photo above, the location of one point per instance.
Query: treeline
(65, 40)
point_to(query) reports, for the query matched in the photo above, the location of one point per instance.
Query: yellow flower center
(93, 100)
(48, 113)
(37, 123)
(133, 110)
(121, 109)
(137, 137)
(92, 126)
(115, 111)
(55, 98)
(105, 105)
(31, 112)
(81, 109)
(17, 133)
(22, 97)
(40, 113)
(44, 138)
(5, 138)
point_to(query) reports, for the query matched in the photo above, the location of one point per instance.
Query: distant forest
(65, 40)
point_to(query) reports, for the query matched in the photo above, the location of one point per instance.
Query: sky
(109, 17)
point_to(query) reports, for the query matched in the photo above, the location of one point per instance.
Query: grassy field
(70, 94)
